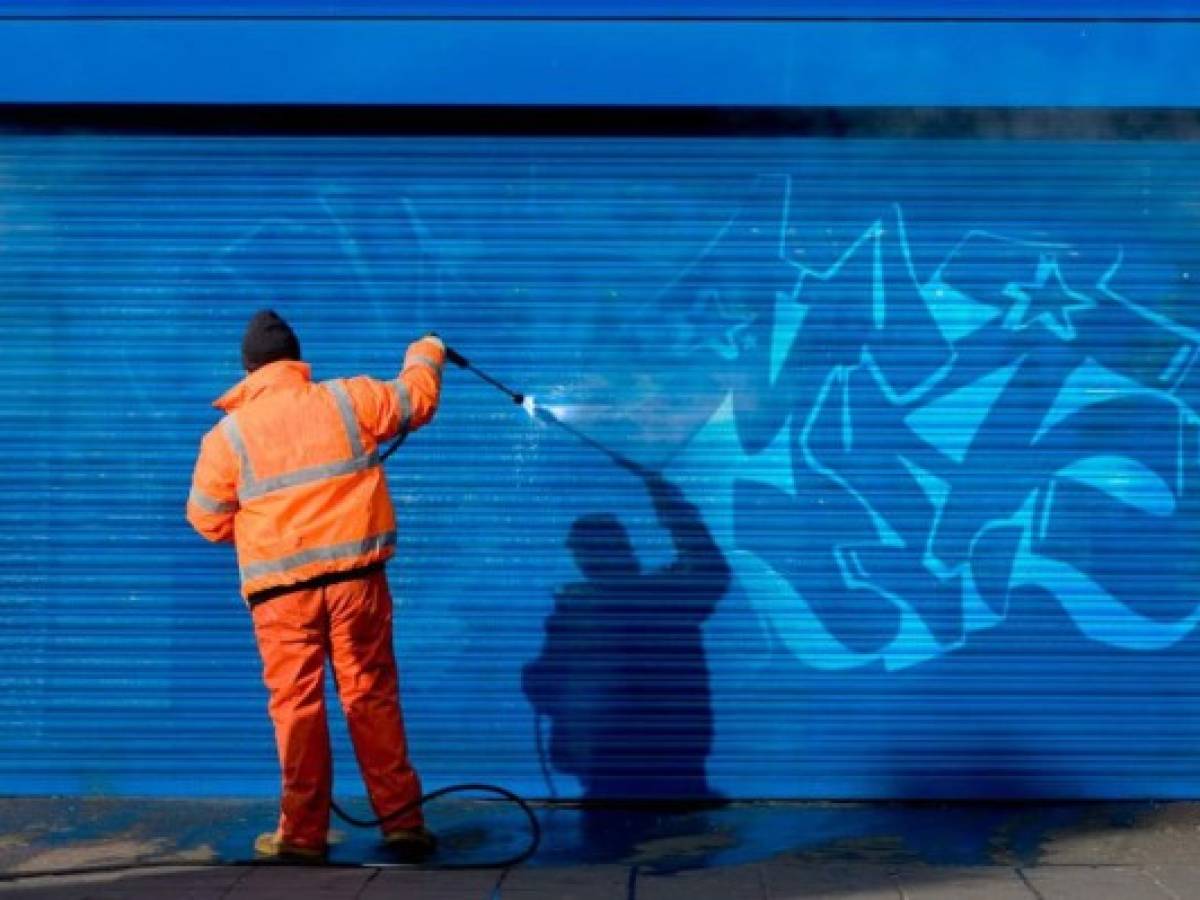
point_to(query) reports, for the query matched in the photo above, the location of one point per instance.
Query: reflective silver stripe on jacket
(420, 359)
(251, 487)
(348, 550)
(349, 420)
(405, 401)
(305, 476)
(234, 435)
(210, 504)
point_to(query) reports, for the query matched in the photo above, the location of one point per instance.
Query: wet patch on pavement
(56, 833)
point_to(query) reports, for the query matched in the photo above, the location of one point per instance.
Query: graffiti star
(1047, 300)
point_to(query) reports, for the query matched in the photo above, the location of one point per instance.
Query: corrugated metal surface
(933, 401)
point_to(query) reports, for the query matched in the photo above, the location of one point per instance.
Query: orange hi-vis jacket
(292, 474)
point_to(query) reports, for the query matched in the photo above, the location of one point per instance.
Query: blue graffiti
(924, 449)
(901, 452)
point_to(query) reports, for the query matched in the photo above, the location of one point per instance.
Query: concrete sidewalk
(741, 852)
(770, 880)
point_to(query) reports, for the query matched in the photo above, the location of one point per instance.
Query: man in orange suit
(292, 477)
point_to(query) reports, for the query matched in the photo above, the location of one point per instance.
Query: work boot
(271, 847)
(410, 845)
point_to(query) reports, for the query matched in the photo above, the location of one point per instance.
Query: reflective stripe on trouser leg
(291, 639)
(360, 638)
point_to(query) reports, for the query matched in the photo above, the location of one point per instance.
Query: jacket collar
(271, 377)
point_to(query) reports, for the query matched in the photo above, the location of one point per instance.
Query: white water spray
(530, 406)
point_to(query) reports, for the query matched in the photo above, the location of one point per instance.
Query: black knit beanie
(268, 339)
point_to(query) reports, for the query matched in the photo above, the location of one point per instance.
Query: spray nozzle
(457, 358)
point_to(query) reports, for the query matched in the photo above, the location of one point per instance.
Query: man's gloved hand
(452, 355)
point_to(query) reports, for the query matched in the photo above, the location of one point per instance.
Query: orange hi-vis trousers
(350, 623)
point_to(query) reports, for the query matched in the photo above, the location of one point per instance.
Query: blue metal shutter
(934, 402)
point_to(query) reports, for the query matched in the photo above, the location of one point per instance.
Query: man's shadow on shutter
(622, 677)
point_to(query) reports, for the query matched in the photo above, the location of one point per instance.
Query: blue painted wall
(1094, 56)
(611, 9)
(929, 409)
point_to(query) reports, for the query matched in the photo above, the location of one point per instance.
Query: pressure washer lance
(527, 403)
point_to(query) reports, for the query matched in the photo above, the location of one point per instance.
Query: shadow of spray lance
(530, 406)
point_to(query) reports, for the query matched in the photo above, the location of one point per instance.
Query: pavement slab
(1093, 883)
(569, 883)
(1107, 835)
(409, 884)
(743, 882)
(290, 882)
(791, 880)
(176, 884)
(1176, 879)
(962, 883)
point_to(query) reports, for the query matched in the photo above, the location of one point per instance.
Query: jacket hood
(274, 375)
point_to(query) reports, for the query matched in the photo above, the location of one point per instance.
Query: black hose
(393, 446)
(535, 828)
